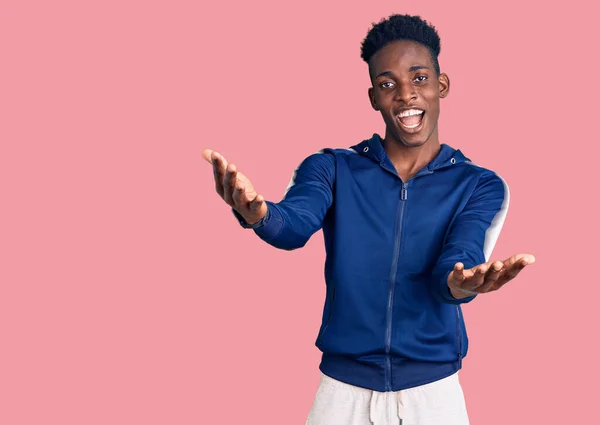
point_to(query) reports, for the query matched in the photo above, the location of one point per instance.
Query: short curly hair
(402, 27)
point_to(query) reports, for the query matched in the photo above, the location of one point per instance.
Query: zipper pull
(404, 195)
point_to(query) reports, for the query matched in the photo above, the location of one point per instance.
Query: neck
(409, 160)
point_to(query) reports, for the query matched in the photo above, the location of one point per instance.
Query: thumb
(206, 154)
(457, 273)
(256, 203)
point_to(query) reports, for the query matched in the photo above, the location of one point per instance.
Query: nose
(406, 92)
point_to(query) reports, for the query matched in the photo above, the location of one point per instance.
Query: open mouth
(411, 119)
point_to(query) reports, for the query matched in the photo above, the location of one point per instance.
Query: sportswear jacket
(389, 320)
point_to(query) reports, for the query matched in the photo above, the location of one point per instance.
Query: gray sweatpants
(438, 403)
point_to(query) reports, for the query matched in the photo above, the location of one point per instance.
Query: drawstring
(400, 406)
(375, 414)
(377, 411)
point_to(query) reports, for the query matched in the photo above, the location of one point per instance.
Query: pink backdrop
(129, 295)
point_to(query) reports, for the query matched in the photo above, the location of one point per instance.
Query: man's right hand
(235, 188)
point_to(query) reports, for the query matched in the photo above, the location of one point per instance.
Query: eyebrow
(411, 69)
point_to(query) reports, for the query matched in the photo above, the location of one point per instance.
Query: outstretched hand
(486, 277)
(235, 188)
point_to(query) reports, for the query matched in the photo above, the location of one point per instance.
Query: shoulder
(488, 186)
(474, 171)
(326, 157)
(484, 180)
(486, 177)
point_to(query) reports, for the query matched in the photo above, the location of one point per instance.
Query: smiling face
(407, 91)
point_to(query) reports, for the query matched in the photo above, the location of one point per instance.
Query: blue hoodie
(389, 320)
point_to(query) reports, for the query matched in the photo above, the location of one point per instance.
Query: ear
(372, 99)
(444, 81)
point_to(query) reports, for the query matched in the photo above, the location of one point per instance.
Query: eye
(388, 86)
(421, 78)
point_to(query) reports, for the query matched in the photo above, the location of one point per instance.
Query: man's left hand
(486, 277)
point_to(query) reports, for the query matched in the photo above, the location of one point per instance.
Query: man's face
(407, 91)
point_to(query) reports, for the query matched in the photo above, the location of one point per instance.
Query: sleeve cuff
(272, 223)
(245, 225)
(267, 227)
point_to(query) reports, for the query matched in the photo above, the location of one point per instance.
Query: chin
(412, 143)
(411, 140)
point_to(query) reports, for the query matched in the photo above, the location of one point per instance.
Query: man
(409, 225)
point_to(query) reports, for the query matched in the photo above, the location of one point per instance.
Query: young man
(409, 225)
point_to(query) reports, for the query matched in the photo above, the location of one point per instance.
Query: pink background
(129, 295)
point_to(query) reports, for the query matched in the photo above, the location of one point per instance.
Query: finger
(503, 280)
(218, 172)
(207, 154)
(214, 157)
(229, 183)
(462, 278)
(496, 267)
(527, 258)
(516, 263)
(493, 274)
(458, 279)
(218, 159)
(511, 272)
(239, 196)
(459, 272)
(479, 273)
(219, 169)
(257, 202)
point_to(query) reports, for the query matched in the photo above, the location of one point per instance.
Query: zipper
(392, 286)
(458, 336)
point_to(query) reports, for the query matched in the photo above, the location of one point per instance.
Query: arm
(471, 238)
(290, 223)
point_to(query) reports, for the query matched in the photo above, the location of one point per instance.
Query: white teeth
(411, 126)
(410, 112)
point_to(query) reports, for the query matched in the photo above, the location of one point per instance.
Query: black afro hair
(402, 27)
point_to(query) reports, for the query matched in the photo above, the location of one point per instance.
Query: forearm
(288, 224)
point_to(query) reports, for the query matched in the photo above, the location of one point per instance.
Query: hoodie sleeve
(473, 234)
(290, 223)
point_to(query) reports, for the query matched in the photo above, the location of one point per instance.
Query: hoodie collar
(373, 149)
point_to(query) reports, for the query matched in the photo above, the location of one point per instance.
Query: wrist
(250, 222)
(460, 293)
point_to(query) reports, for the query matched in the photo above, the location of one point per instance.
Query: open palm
(235, 188)
(486, 277)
